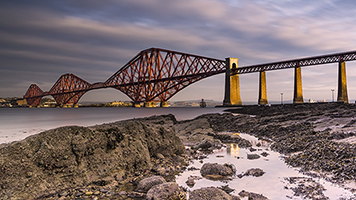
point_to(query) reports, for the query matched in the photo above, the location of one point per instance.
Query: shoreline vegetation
(139, 158)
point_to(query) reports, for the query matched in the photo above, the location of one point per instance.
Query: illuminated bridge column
(342, 85)
(262, 97)
(298, 90)
(164, 104)
(232, 84)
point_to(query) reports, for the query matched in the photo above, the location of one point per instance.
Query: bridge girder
(158, 74)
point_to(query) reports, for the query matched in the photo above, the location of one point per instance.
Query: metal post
(282, 98)
(332, 94)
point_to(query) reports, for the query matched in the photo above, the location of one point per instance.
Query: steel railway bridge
(156, 75)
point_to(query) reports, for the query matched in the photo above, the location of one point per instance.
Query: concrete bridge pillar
(164, 104)
(136, 104)
(298, 90)
(342, 85)
(262, 97)
(232, 84)
(149, 104)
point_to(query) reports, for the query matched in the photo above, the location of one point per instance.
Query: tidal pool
(272, 184)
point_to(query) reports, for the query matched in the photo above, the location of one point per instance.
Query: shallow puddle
(272, 184)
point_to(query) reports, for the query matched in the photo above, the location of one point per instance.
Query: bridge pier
(136, 104)
(262, 97)
(164, 104)
(149, 104)
(342, 85)
(298, 90)
(232, 84)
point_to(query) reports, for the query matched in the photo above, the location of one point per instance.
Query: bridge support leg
(262, 97)
(164, 104)
(232, 84)
(342, 85)
(298, 90)
(136, 104)
(149, 104)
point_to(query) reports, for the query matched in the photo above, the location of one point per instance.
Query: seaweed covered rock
(75, 156)
(209, 193)
(217, 171)
(170, 190)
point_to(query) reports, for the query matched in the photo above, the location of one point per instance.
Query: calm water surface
(18, 123)
(272, 184)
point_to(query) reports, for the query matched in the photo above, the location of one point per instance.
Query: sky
(41, 40)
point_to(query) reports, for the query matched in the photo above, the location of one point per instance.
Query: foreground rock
(209, 193)
(256, 172)
(252, 195)
(146, 184)
(217, 171)
(169, 190)
(70, 157)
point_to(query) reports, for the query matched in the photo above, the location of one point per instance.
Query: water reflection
(233, 150)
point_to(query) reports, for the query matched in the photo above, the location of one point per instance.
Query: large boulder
(145, 184)
(217, 171)
(75, 156)
(209, 193)
(170, 190)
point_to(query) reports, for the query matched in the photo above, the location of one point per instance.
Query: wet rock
(208, 143)
(209, 193)
(145, 184)
(306, 188)
(193, 168)
(252, 149)
(216, 171)
(253, 156)
(264, 154)
(190, 182)
(169, 190)
(226, 189)
(254, 172)
(252, 196)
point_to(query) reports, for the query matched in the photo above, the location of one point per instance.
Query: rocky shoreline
(139, 158)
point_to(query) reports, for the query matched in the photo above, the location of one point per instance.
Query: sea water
(272, 184)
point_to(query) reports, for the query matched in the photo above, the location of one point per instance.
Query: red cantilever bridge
(158, 74)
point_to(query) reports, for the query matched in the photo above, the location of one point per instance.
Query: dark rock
(226, 189)
(209, 193)
(254, 172)
(252, 196)
(252, 149)
(169, 190)
(190, 182)
(253, 156)
(215, 169)
(264, 154)
(145, 184)
(208, 143)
